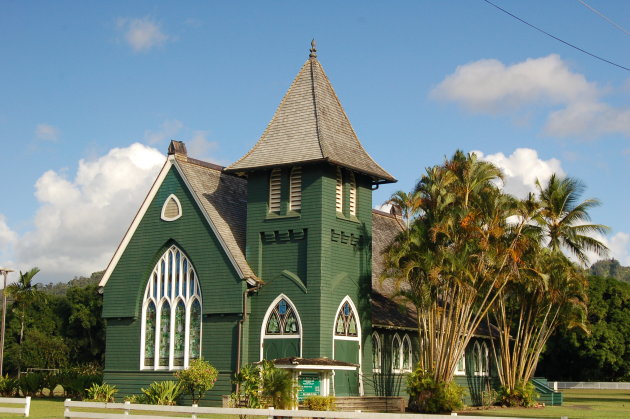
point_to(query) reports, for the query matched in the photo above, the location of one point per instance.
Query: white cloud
(199, 146)
(47, 132)
(536, 84)
(142, 34)
(80, 221)
(618, 245)
(167, 131)
(522, 168)
(7, 236)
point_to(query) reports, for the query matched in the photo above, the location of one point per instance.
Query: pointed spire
(310, 125)
(313, 53)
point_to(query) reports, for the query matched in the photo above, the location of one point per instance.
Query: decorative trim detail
(167, 207)
(293, 277)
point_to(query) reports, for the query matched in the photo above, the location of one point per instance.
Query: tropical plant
(264, 385)
(31, 384)
(458, 254)
(24, 293)
(522, 395)
(565, 221)
(101, 392)
(162, 393)
(198, 378)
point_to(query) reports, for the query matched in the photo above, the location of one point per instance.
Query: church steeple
(310, 126)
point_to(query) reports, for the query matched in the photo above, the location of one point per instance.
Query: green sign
(310, 385)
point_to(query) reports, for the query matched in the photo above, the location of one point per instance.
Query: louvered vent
(172, 209)
(295, 201)
(275, 181)
(353, 194)
(339, 191)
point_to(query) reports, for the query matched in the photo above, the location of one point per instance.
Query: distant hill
(60, 288)
(611, 268)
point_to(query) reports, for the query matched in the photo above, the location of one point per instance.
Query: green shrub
(248, 380)
(31, 384)
(489, 397)
(521, 395)
(8, 386)
(76, 380)
(162, 392)
(134, 398)
(198, 378)
(319, 403)
(428, 395)
(101, 392)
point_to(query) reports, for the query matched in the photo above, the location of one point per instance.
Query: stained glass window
(346, 323)
(282, 320)
(376, 352)
(172, 314)
(396, 353)
(195, 330)
(149, 336)
(179, 334)
(165, 334)
(406, 354)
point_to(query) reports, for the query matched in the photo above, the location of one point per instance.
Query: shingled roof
(223, 197)
(310, 125)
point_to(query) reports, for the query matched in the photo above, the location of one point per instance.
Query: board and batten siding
(221, 290)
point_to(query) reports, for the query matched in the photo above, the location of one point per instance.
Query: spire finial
(313, 53)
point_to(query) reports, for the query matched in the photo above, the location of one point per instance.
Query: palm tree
(24, 293)
(409, 205)
(565, 221)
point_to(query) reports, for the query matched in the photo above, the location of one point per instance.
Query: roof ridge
(317, 127)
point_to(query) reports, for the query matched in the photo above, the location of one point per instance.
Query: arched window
(295, 193)
(406, 355)
(339, 191)
(282, 328)
(396, 351)
(346, 323)
(480, 359)
(171, 314)
(352, 207)
(377, 353)
(275, 190)
(460, 368)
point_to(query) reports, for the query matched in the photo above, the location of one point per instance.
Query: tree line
(53, 326)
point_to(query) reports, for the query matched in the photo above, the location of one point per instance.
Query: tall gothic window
(295, 186)
(275, 190)
(346, 323)
(171, 314)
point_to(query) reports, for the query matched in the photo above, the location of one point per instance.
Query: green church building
(277, 257)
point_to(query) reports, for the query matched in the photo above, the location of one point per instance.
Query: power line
(603, 16)
(558, 39)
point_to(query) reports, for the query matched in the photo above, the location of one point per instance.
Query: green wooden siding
(221, 290)
(220, 284)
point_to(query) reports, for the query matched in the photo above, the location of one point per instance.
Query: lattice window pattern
(352, 206)
(282, 320)
(171, 313)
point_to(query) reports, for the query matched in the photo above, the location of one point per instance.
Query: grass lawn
(576, 404)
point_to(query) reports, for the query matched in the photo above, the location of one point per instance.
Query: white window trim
(295, 189)
(353, 194)
(396, 368)
(409, 354)
(339, 191)
(263, 328)
(275, 191)
(179, 208)
(353, 338)
(195, 295)
(480, 354)
(377, 353)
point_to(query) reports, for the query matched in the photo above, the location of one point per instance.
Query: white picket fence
(124, 410)
(26, 401)
(591, 385)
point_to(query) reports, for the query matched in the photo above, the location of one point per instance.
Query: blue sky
(93, 91)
